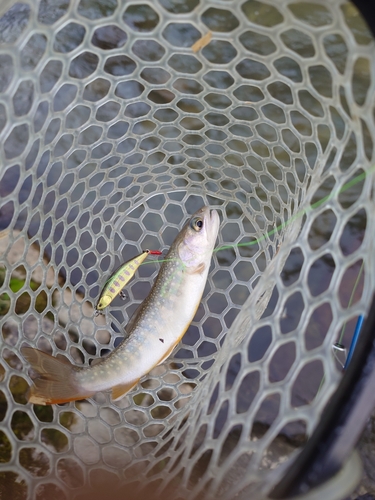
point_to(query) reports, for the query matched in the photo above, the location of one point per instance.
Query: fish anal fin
(38, 399)
(118, 391)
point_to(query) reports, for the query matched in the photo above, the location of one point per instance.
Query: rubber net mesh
(117, 121)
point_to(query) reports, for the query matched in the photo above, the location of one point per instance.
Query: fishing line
(338, 346)
(295, 217)
(352, 297)
(299, 214)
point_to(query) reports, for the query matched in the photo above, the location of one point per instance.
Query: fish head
(196, 241)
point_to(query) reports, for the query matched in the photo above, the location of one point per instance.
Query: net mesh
(117, 121)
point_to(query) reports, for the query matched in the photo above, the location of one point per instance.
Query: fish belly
(160, 327)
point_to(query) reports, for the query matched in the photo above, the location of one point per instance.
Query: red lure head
(154, 252)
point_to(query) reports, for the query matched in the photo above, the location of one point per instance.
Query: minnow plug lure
(115, 284)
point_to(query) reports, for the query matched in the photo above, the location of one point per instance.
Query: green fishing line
(298, 215)
(301, 213)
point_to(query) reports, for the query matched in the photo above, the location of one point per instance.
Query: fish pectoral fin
(118, 391)
(198, 270)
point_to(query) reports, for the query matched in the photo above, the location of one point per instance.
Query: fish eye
(196, 224)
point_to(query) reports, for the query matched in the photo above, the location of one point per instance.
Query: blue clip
(357, 330)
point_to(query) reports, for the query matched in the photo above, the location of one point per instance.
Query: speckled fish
(119, 279)
(157, 327)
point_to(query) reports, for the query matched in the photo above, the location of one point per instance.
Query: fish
(157, 327)
(119, 278)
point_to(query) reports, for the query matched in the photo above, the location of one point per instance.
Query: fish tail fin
(55, 382)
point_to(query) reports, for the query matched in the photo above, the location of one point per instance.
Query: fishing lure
(114, 286)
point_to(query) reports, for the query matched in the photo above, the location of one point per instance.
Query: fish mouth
(214, 222)
(213, 214)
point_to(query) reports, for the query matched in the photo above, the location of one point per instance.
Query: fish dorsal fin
(118, 391)
(132, 320)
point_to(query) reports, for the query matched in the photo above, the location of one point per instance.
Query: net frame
(267, 198)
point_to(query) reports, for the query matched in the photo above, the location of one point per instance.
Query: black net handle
(346, 414)
(342, 421)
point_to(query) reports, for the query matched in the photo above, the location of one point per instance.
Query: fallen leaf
(202, 42)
